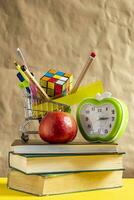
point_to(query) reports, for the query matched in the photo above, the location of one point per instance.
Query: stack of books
(45, 169)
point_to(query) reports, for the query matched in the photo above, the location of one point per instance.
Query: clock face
(102, 120)
(98, 120)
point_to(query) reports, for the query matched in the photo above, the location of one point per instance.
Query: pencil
(83, 72)
(29, 75)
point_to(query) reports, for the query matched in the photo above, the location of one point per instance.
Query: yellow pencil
(29, 75)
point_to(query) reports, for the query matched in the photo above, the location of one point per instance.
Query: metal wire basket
(35, 108)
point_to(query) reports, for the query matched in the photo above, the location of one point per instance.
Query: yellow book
(64, 183)
(36, 164)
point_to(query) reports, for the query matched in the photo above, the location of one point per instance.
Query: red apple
(58, 127)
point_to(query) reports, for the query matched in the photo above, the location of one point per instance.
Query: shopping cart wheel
(24, 137)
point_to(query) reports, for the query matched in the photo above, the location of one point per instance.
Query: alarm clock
(102, 119)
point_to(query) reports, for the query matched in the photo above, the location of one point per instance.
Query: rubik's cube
(56, 83)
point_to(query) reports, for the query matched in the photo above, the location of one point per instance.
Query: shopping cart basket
(36, 108)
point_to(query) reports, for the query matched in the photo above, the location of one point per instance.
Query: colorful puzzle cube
(56, 83)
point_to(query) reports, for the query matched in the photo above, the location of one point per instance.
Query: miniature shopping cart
(37, 105)
(36, 108)
(36, 101)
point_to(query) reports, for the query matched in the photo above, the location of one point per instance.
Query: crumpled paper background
(61, 34)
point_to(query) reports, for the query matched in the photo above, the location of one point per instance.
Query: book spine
(9, 159)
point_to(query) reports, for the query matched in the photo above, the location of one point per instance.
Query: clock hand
(103, 118)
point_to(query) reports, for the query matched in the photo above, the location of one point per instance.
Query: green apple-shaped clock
(102, 119)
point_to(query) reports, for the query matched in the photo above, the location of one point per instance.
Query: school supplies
(29, 75)
(44, 169)
(83, 72)
(36, 106)
(20, 54)
(64, 163)
(35, 146)
(23, 82)
(38, 102)
(26, 71)
(50, 184)
(64, 168)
